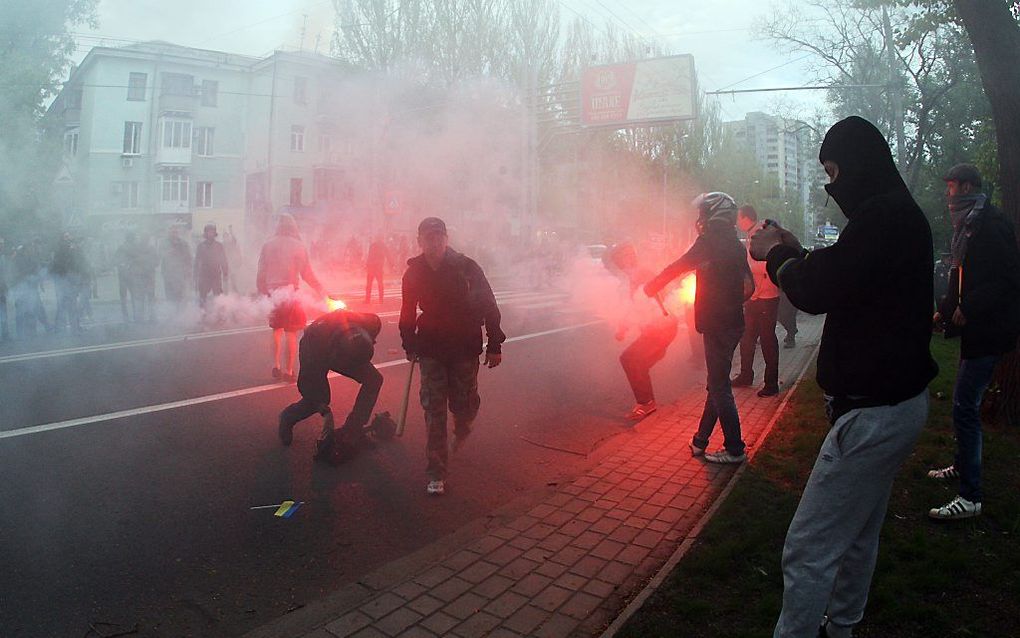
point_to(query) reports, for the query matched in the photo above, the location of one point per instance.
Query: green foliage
(35, 53)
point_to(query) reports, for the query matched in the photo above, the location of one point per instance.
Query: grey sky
(717, 33)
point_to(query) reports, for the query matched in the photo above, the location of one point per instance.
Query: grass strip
(933, 579)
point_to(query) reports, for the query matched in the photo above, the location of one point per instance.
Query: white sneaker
(695, 450)
(722, 456)
(955, 509)
(944, 473)
(435, 488)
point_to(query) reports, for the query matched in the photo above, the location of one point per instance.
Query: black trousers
(315, 395)
(787, 316)
(639, 357)
(760, 325)
(378, 276)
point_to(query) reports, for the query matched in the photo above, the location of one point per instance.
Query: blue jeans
(719, 404)
(972, 379)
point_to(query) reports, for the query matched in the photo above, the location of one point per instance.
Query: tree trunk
(996, 38)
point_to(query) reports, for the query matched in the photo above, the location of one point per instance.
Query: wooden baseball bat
(407, 397)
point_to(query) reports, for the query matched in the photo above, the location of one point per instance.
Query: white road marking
(506, 298)
(232, 394)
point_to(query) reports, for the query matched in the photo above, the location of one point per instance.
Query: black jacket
(724, 278)
(991, 289)
(340, 341)
(455, 301)
(874, 283)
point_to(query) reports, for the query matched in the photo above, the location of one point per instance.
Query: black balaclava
(865, 162)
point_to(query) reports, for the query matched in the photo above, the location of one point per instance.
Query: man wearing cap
(724, 284)
(210, 265)
(982, 307)
(875, 286)
(455, 300)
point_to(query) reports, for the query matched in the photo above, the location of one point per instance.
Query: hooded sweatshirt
(874, 284)
(284, 261)
(724, 279)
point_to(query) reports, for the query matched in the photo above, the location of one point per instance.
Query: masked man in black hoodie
(875, 286)
(724, 284)
(982, 306)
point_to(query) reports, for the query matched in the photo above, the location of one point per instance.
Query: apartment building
(157, 134)
(783, 150)
(154, 135)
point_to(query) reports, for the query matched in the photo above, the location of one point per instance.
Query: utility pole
(895, 94)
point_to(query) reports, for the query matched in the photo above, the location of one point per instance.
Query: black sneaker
(741, 381)
(769, 391)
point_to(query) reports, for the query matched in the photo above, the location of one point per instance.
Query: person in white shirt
(760, 313)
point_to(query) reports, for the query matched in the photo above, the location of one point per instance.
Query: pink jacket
(284, 262)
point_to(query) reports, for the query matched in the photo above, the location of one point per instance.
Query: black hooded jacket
(875, 284)
(724, 278)
(456, 301)
(991, 289)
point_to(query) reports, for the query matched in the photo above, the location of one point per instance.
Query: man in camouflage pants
(446, 338)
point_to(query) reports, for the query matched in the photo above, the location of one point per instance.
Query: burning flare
(688, 285)
(335, 303)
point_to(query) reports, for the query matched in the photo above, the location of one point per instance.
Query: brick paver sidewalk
(568, 566)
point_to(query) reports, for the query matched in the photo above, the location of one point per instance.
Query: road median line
(222, 396)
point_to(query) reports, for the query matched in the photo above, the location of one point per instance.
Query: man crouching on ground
(446, 338)
(341, 341)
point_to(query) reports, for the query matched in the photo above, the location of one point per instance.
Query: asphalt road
(130, 464)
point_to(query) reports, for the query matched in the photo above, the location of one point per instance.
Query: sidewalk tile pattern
(569, 565)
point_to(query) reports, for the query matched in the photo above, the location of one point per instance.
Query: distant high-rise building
(788, 159)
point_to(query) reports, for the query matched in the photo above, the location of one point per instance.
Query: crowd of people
(26, 269)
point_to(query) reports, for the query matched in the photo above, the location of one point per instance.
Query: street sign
(648, 91)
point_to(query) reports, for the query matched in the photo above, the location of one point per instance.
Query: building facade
(157, 134)
(783, 150)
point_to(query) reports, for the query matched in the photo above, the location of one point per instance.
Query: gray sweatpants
(832, 543)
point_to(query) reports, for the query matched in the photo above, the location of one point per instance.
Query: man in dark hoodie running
(446, 338)
(724, 284)
(875, 286)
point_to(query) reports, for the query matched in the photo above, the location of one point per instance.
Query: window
(128, 194)
(204, 140)
(71, 142)
(136, 86)
(325, 144)
(176, 134)
(300, 90)
(210, 92)
(203, 195)
(297, 139)
(175, 188)
(132, 138)
(295, 191)
(178, 84)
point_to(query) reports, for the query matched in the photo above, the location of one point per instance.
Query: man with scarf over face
(875, 287)
(982, 305)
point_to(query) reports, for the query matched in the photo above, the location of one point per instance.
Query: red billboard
(633, 93)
